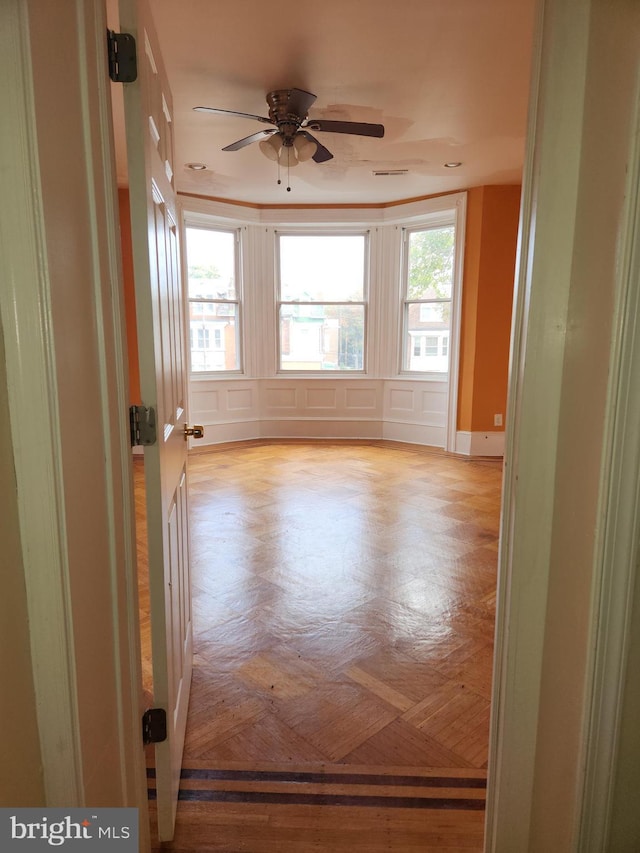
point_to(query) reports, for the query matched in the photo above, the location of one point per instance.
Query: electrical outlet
(497, 420)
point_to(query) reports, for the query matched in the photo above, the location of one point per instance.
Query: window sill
(216, 376)
(325, 374)
(415, 376)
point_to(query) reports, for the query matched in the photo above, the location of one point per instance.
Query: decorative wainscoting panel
(408, 410)
(240, 400)
(361, 399)
(229, 409)
(415, 411)
(321, 399)
(333, 403)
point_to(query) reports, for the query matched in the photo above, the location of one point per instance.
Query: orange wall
(129, 297)
(490, 252)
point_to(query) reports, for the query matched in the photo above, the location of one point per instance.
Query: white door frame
(25, 312)
(618, 576)
(82, 764)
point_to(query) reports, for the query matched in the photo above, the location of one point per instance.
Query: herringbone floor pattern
(343, 600)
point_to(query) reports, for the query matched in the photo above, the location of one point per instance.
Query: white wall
(381, 403)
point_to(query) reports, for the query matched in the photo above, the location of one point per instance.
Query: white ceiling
(449, 80)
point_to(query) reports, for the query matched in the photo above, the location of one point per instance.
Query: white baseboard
(480, 443)
(467, 443)
(222, 433)
(288, 428)
(411, 433)
(320, 428)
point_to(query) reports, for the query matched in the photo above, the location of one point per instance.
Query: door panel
(163, 384)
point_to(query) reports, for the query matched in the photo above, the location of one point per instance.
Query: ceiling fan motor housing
(287, 111)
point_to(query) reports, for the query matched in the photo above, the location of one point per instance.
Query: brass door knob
(196, 431)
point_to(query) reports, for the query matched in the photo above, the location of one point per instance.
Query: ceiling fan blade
(232, 113)
(322, 154)
(360, 128)
(300, 101)
(241, 143)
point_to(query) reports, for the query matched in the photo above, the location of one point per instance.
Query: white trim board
(479, 443)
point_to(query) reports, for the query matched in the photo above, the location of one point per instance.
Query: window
(428, 291)
(430, 345)
(322, 301)
(201, 337)
(214, 305)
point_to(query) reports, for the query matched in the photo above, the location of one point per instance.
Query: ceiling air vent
(387, 173)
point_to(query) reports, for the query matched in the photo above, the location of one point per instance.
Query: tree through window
(428, 292)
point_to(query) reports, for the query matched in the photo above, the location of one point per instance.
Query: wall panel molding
(407, 410)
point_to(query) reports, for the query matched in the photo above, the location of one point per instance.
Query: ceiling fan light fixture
(271, 147)
(305, 148)
(287, 157)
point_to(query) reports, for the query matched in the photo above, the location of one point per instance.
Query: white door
(159, 307)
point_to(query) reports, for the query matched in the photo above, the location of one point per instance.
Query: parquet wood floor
(343, 600)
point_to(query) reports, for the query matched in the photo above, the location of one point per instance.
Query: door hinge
(154, 726)
(142, 424)
(121, 49)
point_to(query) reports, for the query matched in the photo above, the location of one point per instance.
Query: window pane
(214, 336)
(211, 264)
(322, 337)
(431, 345)
(427, 344)
(430, 264)
(322, 268)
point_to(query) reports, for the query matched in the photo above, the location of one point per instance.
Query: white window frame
(238, 301)
(318, 231)
(448, 220)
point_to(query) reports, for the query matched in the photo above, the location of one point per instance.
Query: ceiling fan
(290, 141)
